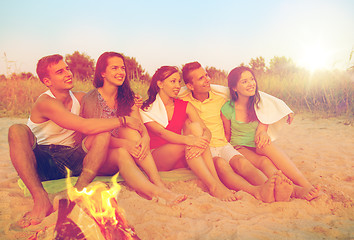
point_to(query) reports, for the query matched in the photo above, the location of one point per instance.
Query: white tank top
(49, 132)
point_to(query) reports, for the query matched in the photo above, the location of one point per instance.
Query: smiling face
(200, 81)
(170, 86)
(115, 72)
(59, 77)
(246, 86)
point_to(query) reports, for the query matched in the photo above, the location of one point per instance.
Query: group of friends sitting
(222, 134)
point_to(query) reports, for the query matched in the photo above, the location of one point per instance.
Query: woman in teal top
(250, 138)
(243, 133)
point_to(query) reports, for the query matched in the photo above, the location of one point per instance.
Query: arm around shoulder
(51, 109)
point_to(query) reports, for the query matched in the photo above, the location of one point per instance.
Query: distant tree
(26, 75)
(217, 76)
(135, 70)
(81, 65)
(2, 77)
(215, 73)
(282, 66)
(258, 65)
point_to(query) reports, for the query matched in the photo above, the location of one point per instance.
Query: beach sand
(323, 149)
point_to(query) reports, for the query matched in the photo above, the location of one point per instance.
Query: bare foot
(223, 193)
(158, 182)
(166, 197)
(283, 188)
(41, 209)
(307, 193)
(265, 192)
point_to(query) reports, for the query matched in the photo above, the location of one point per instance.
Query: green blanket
(55, 186)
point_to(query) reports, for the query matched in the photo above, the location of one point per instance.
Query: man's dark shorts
(52, 160)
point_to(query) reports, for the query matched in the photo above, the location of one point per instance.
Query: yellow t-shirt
(209, 112)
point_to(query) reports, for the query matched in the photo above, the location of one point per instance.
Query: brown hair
(161, 74)
(44, 63)
(233, 78)
(189, 67)
(125, 96)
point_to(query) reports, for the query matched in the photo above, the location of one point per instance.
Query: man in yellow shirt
(227, 160)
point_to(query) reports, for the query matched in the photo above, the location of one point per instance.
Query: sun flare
(315, 57)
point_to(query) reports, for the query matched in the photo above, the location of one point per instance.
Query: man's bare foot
(307, 193)
(223, 193)
(166, 197)
(41, 209)
(265, 192)
(283, 188)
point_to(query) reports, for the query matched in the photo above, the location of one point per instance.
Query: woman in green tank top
(250, 138)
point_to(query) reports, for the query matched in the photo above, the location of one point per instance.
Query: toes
(27, 221)
(312, 194)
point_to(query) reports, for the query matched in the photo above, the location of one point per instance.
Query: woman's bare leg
(168, 155)
(247, 170)
(254, 174)
(284, 163)
(119, 158)
(232, 180)
(261, 162)
(148, 163)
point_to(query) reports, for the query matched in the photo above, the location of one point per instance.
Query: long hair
(125, 96)
(161, 74)
(233, 78)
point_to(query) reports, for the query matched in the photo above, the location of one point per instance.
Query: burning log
(65, 227)
(92, 213)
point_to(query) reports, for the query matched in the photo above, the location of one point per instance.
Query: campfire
(92, 213)
(99, 203)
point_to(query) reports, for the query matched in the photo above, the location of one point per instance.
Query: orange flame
(99, 201)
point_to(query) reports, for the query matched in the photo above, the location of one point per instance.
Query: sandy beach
(323, 149)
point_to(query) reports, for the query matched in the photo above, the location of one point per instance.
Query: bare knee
(264, 162)
(102, 139)
(129, 134)
(20, 133)
(121, 156)
(195, 129)
(220, 163)
(240, 164)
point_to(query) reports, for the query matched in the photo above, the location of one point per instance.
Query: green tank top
(241, 133)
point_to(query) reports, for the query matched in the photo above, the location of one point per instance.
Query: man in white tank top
(43, 148)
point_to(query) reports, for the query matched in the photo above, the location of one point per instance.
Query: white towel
(272, 111)
(155, 113)
(217, 89)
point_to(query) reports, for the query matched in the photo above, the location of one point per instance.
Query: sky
(314, 34)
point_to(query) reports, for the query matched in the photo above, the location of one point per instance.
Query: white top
(49, 132)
